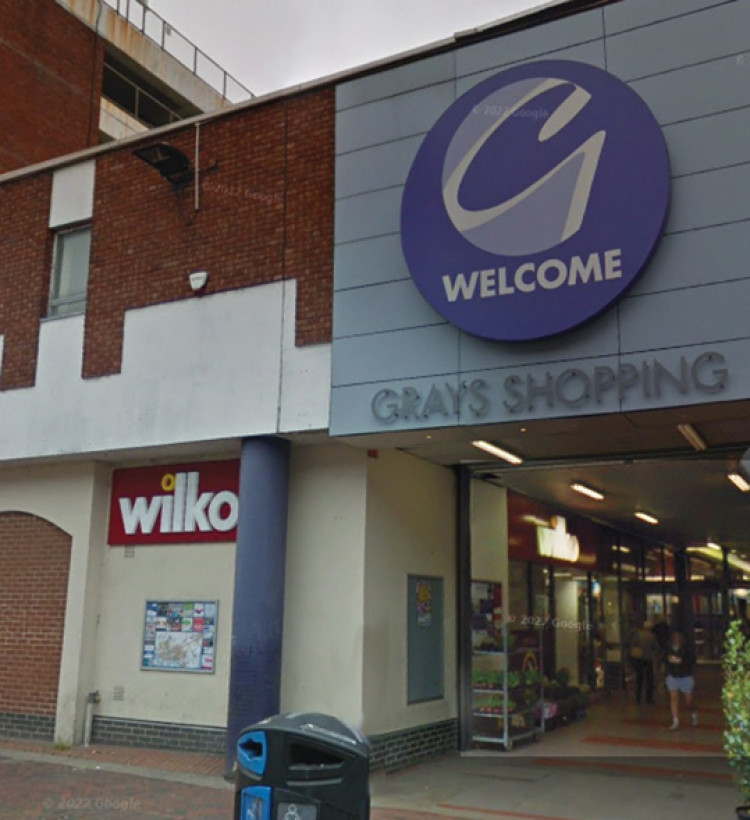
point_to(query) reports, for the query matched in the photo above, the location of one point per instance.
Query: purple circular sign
(535, 201)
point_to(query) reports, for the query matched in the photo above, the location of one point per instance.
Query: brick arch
(34, 568)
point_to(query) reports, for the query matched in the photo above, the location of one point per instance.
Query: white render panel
(206, 368)
(410, 531)
(322, 662)
(167, 572)
(72, 498)
(72, 194)
(306, 376)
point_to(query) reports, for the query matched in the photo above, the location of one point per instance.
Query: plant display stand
(508, 689)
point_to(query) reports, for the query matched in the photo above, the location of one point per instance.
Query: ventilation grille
(119, 693)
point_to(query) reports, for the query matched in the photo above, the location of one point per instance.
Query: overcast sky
(273, 44)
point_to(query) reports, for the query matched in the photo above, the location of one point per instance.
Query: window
(70, 272)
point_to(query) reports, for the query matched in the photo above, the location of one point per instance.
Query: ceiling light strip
(739, 482)
(498, 452)
(589, 491)
(649, 519)
(691, 435)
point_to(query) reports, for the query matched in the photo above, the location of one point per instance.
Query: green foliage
(735, 696)
(562, 676)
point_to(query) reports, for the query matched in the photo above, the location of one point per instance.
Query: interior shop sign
(175, 504)
(535, 201)
(562, 389)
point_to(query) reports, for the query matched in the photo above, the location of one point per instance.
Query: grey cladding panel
(351, 407)
(591, 53)
(403, 354)
(369, 262)
(709, 142)
(598, 338)
(636, 13)
(697, 91)
(399, 306)
(681, 41)
(693, 258)
(367, 215)
(392, 119)
(713, 198)
(696, 316)
(381, 166)
(430, 71)
(529, 43)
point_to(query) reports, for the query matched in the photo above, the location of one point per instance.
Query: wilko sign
(175, 504)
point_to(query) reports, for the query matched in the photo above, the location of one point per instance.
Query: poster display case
(180, 636)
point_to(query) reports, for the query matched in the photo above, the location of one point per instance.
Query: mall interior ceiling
(638, 461)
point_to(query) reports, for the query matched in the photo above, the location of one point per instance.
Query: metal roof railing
(159, 31)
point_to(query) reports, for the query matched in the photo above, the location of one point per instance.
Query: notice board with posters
(425, 639)
(180, 636)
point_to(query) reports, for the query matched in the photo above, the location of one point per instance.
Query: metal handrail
(159, 31)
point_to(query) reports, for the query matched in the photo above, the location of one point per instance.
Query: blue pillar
(258, 616)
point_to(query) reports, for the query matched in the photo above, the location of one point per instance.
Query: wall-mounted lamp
(198, 280)
(169, 161)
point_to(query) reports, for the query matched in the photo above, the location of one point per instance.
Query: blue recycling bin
(302, 766)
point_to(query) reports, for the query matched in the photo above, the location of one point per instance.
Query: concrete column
(257, 621)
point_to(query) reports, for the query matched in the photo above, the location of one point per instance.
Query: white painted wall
(566, 637)
(74, 499)
(194, 370)
(411, 530)
(489, 535)
(72, 194)
(322, 659)
(176, 572)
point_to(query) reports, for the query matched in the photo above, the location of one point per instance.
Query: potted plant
(735, 696)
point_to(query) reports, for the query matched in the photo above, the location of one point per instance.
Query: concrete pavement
(619, 763)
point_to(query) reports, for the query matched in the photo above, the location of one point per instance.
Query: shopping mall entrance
(557, 588)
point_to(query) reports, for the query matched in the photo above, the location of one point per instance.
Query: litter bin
(302, 766)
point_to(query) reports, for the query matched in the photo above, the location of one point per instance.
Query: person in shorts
(680, 662)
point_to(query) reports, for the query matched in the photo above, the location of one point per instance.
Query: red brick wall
(51, 65)
(266, 214)
(34, 564)
(25, 261)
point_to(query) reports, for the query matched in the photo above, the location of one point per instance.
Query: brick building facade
(49, 103)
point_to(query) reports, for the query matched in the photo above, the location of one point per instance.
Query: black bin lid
(316, 726)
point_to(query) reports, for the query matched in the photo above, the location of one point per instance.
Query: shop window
(70, 271)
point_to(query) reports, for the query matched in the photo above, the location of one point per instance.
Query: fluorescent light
(713, 546)
(739, 482)
(692, 437)
(734, 561)
(498, 452)
(649, 519)
(620, 549)
(584, 490)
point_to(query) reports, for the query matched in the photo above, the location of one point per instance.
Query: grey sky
(278, 43)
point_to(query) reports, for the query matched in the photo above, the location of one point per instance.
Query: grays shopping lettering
(565, 389)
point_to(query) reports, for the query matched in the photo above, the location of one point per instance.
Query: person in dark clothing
(662, 634)
(642, 651)
(680, 664)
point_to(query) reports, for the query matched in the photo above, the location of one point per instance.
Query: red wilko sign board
(178, 504)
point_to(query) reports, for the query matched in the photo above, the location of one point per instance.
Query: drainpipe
(91, 699)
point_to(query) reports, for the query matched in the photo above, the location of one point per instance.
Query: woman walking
(680, 664)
